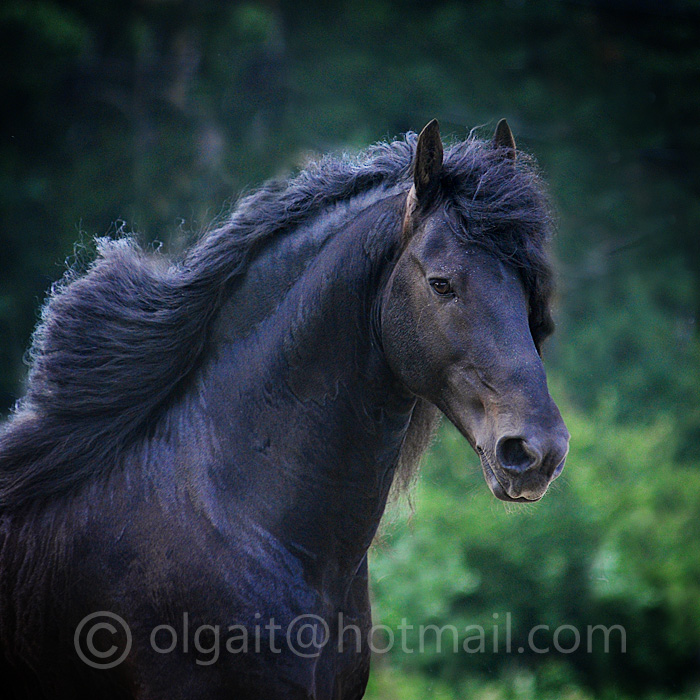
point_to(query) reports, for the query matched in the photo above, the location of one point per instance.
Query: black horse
(189, 488)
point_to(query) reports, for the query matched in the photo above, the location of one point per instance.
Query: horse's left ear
(428, 162)
(503, 139)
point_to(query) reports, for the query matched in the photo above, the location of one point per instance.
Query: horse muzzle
(521, 467)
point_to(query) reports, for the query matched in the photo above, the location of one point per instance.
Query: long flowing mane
(116, 345)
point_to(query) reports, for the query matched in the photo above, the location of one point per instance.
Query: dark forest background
(153, 116)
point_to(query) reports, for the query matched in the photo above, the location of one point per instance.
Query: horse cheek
(404, 339)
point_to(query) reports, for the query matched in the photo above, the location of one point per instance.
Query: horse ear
(428, 161)
(503, 139)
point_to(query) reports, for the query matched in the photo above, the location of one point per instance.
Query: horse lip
(497, 488)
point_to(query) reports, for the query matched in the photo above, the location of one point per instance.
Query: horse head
(461, 329)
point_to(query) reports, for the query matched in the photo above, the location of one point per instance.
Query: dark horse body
(210, 445)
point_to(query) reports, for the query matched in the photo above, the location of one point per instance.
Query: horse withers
(190, 486)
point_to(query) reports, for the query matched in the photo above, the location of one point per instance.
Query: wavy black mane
(118, 343)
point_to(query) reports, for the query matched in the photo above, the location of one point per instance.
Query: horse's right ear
(503, 140)
(428, 162)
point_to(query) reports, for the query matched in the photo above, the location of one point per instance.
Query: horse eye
(440, 286)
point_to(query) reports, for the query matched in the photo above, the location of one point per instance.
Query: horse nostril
(554, 461)
(516, 455)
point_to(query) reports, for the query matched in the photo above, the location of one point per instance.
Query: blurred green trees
(153, 115)
(613, 544)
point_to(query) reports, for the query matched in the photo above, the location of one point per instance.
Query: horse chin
(525, 495)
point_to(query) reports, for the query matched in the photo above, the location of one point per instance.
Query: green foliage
(608, 546)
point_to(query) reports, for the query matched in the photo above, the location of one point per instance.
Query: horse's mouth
(497, 488)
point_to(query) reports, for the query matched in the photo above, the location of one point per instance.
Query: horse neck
(309, 417)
